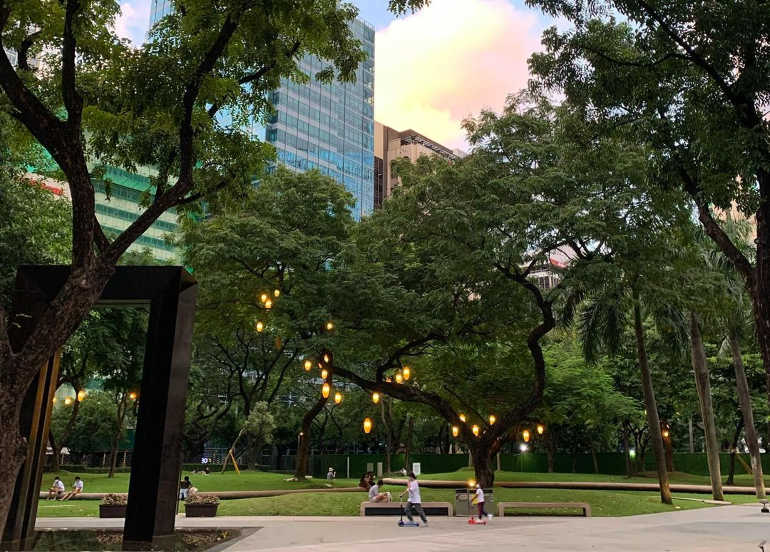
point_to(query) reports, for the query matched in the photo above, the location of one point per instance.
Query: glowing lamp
(471, 483)
(462, 417)
(308, 365)
(81, 395)
(475, 429)
(277, 293)
(540, 429)
(327, 358)
(406, 372)
(375, 397)
(399, 377)
(53, 400)
(268, 304)
(324, 373)
(132, 395)
(329, 326)
(455, 431)
(68, 401)
(337, 397)
(665, 434)
(260, 326)
(263, 297)
(492, 419)
(325, 389)
(367, 425)
(523, 447)
(526, 435)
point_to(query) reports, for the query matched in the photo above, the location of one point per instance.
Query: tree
(691, 79)
(101, 102)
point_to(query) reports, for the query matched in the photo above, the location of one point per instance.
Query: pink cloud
(133, 21)
(450, 60)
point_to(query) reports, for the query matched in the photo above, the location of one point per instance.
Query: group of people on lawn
(58, 492)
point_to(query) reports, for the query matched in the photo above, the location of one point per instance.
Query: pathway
(724, 529)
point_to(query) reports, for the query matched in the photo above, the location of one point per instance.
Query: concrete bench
(394, 508)
(501, 506)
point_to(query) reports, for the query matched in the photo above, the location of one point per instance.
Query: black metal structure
(170, 293)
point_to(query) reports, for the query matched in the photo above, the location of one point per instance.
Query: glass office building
(329, 127)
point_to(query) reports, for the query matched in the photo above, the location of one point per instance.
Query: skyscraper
(329, 127)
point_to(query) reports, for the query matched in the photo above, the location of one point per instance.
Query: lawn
(228, 481)
(603, 503)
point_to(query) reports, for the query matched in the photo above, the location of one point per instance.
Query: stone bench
(394, 508)
(501, 506)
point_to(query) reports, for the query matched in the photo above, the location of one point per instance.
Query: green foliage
(34, 228)
(95, 425)
(260, 424)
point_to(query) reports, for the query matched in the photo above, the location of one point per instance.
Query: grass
(603, 503)
(228, 481)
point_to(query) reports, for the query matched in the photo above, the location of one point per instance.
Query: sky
(435, 67)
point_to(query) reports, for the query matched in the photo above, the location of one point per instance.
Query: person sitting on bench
(57, 489)
(77, 488)
(376, 496)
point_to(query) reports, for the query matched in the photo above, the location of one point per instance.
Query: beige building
(391, 144)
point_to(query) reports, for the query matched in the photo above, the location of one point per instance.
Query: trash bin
(464, 502)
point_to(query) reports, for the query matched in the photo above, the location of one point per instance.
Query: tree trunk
(13, 449)
(653, 421)
(549, 451)
(734, 451)
(482, 465)
(53, 465)
(409, 431)
(303, 452)
(387, 423)
(626, 452)
(703, 387)
(669, 453)
(760, 291)
(594, 459)
(744, 399)
(690, 435)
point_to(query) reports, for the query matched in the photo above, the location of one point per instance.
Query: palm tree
(733, 315)
(602, 321)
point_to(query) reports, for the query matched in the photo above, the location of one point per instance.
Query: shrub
(114, 499)
(202, 499)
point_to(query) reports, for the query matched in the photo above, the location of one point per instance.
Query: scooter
(402, 523)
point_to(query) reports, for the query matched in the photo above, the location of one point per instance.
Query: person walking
(414, 501)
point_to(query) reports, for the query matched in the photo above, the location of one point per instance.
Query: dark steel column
(35, 424)
(157, 457)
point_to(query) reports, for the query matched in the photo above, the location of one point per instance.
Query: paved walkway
(723, 529)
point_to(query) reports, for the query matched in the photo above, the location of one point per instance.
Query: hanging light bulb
(471, 483)
(324, 373)
(455, 431)
(375, 397)
(407, 372)
(399, 377)
(53, 400)
(665, 434)
(68, 401)
(260, 326)
(525, 435)
(325, 390)
(367, 425)
(492, 419)
(329, 326)
(327, 358)
(81, 395)
(308, 365)
(475, 429)
(277, 292)
(132, 395)
(540, 429)
(263, 297)
(337, 397)
(268, 304)
(462, 417)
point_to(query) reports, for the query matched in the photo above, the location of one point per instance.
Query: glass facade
(329, 127)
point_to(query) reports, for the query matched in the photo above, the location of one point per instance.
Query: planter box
(112, 510)
(200, 510)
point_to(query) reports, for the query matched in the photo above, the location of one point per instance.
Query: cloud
(133, 21)
(450, 60)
